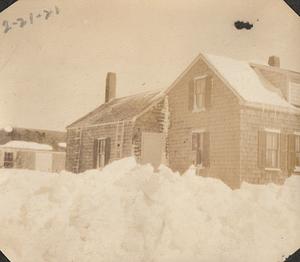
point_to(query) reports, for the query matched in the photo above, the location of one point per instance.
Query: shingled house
(233, 120)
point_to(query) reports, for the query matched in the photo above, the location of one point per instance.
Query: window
(272, 150)
(199, 93)
(200, 148)
(197, 147)
(278, 150)
(101, 152)
(8, 160)
(297, 151)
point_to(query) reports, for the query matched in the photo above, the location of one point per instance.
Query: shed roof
(118, 109)
(17, 144)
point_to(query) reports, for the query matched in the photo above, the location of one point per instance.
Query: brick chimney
(110, 89)
(274, 61)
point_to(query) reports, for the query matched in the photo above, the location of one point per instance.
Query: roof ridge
(150, 92)
(119, 101)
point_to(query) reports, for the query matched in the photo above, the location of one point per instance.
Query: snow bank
(27, 145)
(129, 213)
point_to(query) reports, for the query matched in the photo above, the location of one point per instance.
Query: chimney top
(110, 88)
(274, 61)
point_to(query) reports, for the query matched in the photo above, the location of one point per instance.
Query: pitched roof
(118, 109)
(243, 78)
(247, 82)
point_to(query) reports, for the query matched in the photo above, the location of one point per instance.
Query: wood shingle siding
(220, 120)
(253, 122)
(234, 110)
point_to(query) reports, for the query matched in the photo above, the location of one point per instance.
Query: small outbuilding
(41, 150)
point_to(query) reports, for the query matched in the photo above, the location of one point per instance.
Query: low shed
(119, 128)
(40, 150)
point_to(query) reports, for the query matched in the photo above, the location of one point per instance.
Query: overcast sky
(53, 71)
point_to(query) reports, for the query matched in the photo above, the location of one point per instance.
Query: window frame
(9, 161)
(196, 108)
(201, 133)
(101, 144)
(272, 132)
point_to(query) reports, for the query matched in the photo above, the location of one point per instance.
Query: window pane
(8, 156)
(272, 152)
(199, 101)
(274, 159)
(197, 145)
(200, 86)
(101, 146)
(199, 93)
(101, 153)
(269, 141)
(8, 164)
(198, 157)
(269, 158)
(275, 141)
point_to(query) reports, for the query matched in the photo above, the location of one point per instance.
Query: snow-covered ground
(129, 213)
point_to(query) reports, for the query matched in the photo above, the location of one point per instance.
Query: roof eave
(283, 109)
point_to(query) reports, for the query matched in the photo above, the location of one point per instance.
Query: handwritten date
(22, 22)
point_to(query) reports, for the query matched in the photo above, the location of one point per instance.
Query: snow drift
(127, 212)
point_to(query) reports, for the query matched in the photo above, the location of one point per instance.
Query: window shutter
(208, 88)
(194, 141)
(18, 160)
(191, 95)
(261, 156)
(107, 150)
(283, 151)
(206, 146)
(95, 153)
(291, 153)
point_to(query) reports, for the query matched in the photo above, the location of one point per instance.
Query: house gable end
(212, 68)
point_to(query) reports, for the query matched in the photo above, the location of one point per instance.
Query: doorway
(151, 149)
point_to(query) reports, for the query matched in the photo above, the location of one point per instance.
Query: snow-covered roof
(26, 145)
(243, 78)
(7, 129)
(247, 82)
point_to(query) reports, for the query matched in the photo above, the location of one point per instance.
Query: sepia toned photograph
(149, 131)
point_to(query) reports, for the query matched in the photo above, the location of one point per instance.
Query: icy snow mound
(127, 212)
